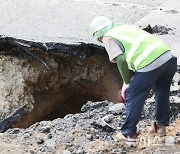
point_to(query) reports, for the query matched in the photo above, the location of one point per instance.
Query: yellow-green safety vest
(141, 47)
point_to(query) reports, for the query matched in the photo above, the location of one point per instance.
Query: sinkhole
(55, 82)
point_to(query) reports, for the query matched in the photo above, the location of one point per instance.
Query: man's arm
(123, 68)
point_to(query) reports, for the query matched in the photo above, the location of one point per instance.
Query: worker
(153, 65)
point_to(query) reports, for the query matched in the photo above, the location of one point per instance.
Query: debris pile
(91, 131)
(160, 30)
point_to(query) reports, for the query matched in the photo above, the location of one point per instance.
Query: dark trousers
(141, 83)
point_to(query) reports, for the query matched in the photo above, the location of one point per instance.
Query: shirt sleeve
(113, 48)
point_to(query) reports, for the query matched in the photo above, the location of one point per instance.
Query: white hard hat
(100, 25)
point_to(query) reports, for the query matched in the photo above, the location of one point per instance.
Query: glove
(124, 87)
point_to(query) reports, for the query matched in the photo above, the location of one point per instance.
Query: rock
(28, 134)
(40, 140)
(42, 149)
(108, 118)
(124, 152)
(80, 151)
(124, 117)
(45, 129)
(117, 109)
(177, 134)
(14, 131)
(32, 151)
(90, 106)
(177, 140)
(89, 137)
(103, 125)
(179, 83)
(49, 136)
(65, 152)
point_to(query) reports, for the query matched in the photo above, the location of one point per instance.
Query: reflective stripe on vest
(141, 48)
(146, 52)
(126, 38)
(134, 46)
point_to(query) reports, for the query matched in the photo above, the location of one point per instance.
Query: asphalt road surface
(67, 21)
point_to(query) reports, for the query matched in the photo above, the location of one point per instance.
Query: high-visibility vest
(141, 47)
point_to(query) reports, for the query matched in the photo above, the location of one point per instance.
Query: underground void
(71, 105)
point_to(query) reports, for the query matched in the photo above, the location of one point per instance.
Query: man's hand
(120, 98)
(123, 92)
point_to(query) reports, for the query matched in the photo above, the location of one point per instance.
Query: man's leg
(136, 94)
(162, 90)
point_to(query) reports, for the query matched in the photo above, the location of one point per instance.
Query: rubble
(78, 133)
(160, 30)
